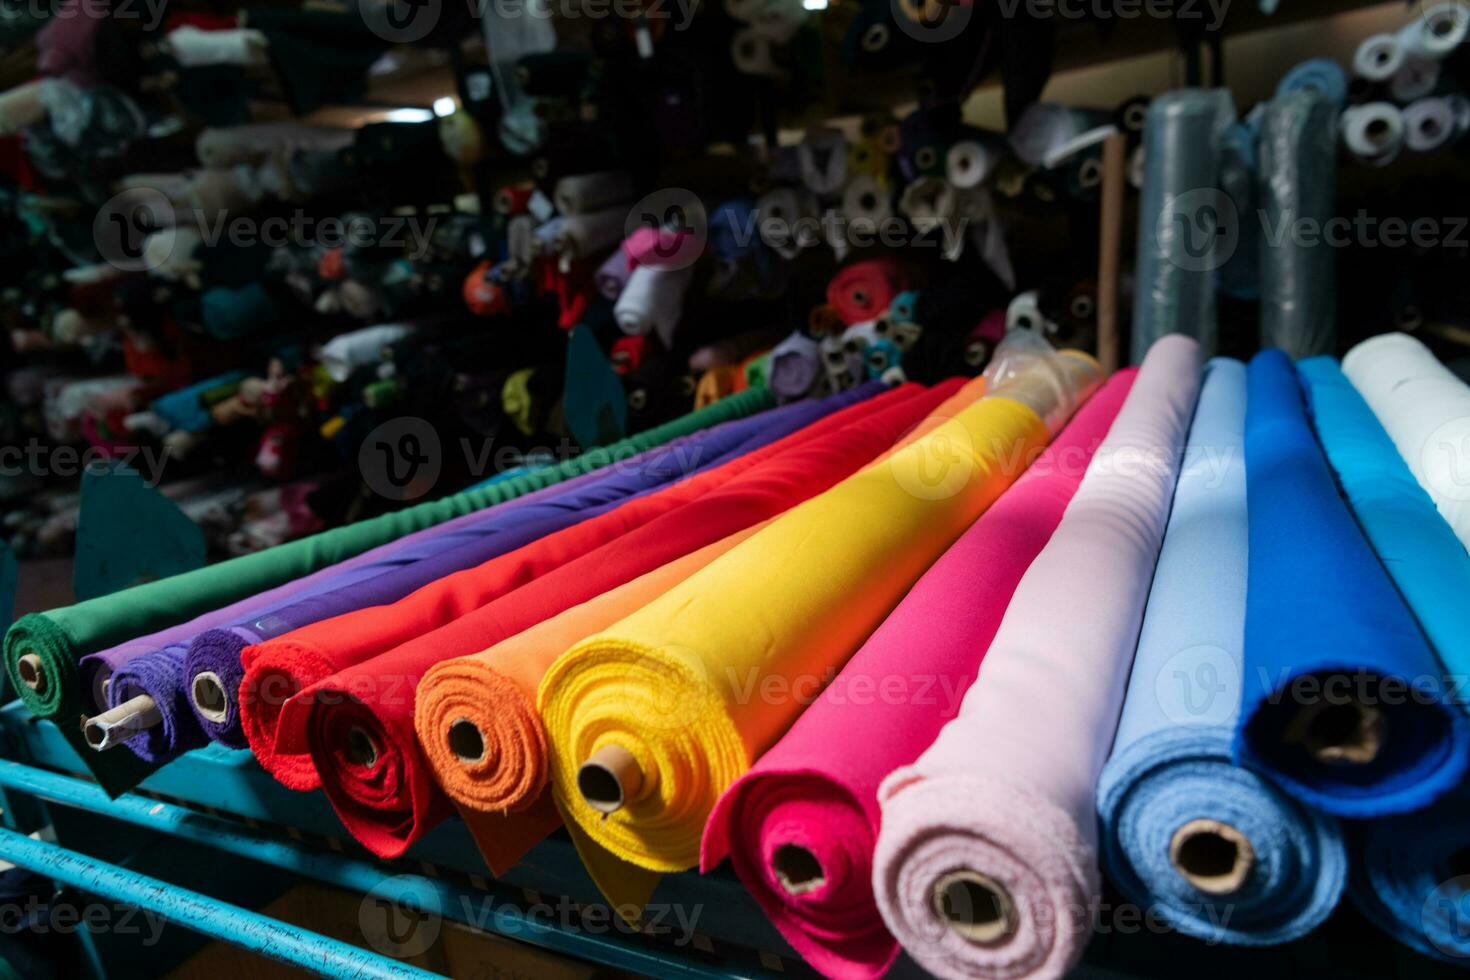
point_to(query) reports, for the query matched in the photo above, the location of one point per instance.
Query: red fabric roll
(864, 289)
(390, 802)
(276, 670)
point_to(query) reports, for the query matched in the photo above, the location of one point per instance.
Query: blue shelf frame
(221, 799)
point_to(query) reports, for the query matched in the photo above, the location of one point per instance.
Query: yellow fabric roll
(702, 680)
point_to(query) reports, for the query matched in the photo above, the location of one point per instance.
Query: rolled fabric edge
(213, 674)
(1135, 774)
(941, 825)
(1265, 736)
(274, 678)
(488, 748)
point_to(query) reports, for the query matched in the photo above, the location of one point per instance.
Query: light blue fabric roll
(1415, 543)
(1411, 877)
(1171, 762)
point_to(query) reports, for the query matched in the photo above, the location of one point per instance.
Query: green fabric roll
(61, 637)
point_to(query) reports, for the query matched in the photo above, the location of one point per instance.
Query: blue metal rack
(221, 800)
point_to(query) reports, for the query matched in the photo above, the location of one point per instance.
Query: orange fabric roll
(485, 708)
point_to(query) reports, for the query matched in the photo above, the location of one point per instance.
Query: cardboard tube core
(1346, 734)
(975, 906)
(1212, 856)
(609, 779)
(465, 741)
(797, 869)
(362, 748)
(115, 726)
(32, 670)
(208, 694)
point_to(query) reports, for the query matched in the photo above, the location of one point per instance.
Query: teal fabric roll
(1415, 543)
(1171, 766)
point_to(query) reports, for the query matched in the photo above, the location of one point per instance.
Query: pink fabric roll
(817, 789)
(986, 865)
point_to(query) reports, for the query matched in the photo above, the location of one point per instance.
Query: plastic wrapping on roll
(1373, 132)
(1240, 276)
(1179, 219)
(1028, 369)
(1298, 150)
(1322, 74)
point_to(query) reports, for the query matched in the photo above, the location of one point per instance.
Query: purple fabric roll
(164, 676)
(97, 668)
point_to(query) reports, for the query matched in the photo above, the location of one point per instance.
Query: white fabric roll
(1374, 133)
(1438, 31)
(1379, 57)
(970, 163)
(1425, 409)
(652, 301)
(1024, 313)
(347, 352)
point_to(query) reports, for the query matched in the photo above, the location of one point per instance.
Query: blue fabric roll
(1415, 543)
(1171, 762)
(1331, 651)
(1411, 876)
(183, 410)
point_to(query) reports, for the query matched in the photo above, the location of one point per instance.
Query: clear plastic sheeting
(1187, 228)
(1298, 189)
(1240, 275)
(1028, 369)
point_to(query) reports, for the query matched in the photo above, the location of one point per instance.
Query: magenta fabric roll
(817, 789)
(986, 865)
(97, 667)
